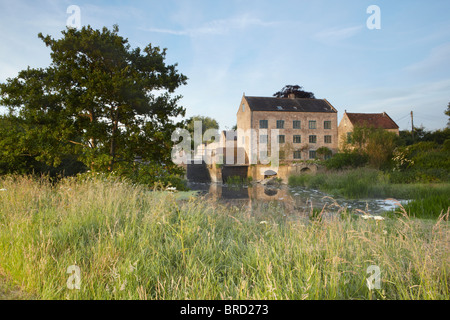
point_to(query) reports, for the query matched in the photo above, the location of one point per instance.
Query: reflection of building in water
(252, 195)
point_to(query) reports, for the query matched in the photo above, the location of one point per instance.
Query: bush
(346, 160)
(153, 174)
(422, 162)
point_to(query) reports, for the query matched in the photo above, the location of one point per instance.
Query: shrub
(346, 160)
(153, 174)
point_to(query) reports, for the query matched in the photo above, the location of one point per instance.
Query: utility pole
(412, 125)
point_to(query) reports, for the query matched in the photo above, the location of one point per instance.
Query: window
(296, 124)
(263, 138)
(312, 154)
(327, 124)
(263, 124)
(327, 139)
(281, 138)
(297, 139)
(280, 124)
(243, 107)
(281, 155)
(312, 124)
(312, 139)
(297, 154)
(264, 155)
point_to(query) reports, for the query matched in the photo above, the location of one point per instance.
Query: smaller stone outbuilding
(376, 120)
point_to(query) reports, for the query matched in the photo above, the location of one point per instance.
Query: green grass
(130, 243)
(428, 200)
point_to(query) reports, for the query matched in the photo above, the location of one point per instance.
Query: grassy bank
(429, 200)
(130, 243)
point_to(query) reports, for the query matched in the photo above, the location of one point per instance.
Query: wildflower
(263, 222)
(366, 217)
(171, 189)
(2, 189)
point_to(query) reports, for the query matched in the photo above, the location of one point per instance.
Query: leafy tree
(324, 153)
(348, 159)
(207, 124)
(447, 112)
(378, 144)
(97, 101)
(294, 89)
(421, 135)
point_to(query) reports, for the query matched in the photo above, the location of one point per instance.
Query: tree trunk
(112, 150)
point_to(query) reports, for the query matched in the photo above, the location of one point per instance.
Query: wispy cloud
(333, 35)
(429, 98)
(217, 27)
(436, 61)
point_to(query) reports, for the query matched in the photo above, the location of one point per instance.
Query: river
(294, 200)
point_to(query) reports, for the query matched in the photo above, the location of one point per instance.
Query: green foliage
(96, 102)
(428, 200)
(132, 243)
(295, 90)
(421, 135)
(153, 175)
(238, 181)
(429, 206)
(378, 144)
(422, 162)
(355, 183)
(324, 153)
(447, 112)
(207, 124)
(346, 160)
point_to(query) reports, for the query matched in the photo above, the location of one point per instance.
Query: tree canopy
(378, 144)
(447, 112)
(207, 124)
(294, 89)
(99, 101)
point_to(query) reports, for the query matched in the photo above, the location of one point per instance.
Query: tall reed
(132, 243)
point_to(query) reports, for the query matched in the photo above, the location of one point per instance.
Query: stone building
(376, 120)
(300, 126)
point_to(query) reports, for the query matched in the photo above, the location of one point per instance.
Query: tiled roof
(288, 104)
(378, 120)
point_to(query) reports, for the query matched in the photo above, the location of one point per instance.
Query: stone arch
(305, 170)
(269, 174)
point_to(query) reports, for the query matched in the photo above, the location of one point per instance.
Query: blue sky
(227, 48)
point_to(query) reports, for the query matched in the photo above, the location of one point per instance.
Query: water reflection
(293, 200)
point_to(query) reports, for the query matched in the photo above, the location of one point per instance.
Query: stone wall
(250, 120)
(257, 172)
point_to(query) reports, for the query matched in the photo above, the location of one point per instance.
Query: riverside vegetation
(428, 200)
(375, 163)
(132, 243)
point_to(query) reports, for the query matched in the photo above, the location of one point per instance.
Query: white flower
(366, 217)
(263, 222)
(2, 189)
